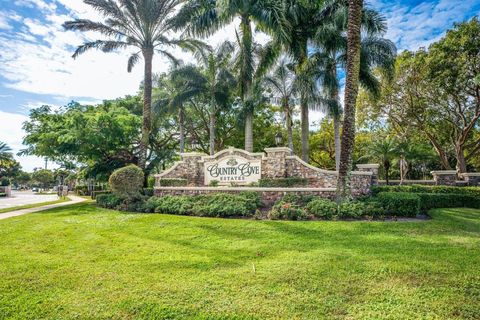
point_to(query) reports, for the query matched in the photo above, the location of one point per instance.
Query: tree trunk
(249, 131)
(305, 129)
(288, 120)
(461, 162)
(246, 72)
(147, 107)
(336, 131)
(181, 120)
(213, 121)
(336, 117)
(440, 151)
(386, 165)
(351, 93)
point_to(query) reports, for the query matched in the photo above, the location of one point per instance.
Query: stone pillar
(194, 166)
(371, 167)
(445, 177)
(275, 165)
(471, 178)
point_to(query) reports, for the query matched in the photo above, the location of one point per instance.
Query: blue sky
(36, 67)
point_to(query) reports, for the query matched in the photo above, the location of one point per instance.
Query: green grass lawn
(33, 205)
(81, 262)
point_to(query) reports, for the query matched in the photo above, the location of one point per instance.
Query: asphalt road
(20, 198)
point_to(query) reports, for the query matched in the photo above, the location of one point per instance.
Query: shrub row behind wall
(473, 191)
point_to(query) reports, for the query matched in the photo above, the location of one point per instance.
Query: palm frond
(105, 46)
(132, 61)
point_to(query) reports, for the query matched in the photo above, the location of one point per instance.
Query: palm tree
(204, 18)
(283, 85)
(385, 151)
(142, 24)
(5, 153)
(303, 18)
(330, 53)
(214, 81)
(354, 24)
(165, 102)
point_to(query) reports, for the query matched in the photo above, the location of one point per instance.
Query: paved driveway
(20, 198)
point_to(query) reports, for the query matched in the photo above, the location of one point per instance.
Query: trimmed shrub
(282, 182)
(97, 193)
(148, 192)
(173, 182)
(151, 181)
(127, 180)
(436, 200)
(353, 209)
(182, 205)
(223, 205)
(209, 205)
(110, 201)
(136, 203)
(253, 199)
(322, 208)
(287, 211)
(472, 191)
(2, 194)
(401, 204)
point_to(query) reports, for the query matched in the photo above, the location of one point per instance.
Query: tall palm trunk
(181, 124)
(147, 107)
(336, 132)
(246, 79)
(304, 111)
(351, 93)
(213, 123)
(336, 119)
(288, 120)
(305, 129)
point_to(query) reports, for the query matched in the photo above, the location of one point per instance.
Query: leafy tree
(22, 178)
(435, 92)
(102, 138)
(143, 24)
(44, 177)
(203, 18)
(351, 91)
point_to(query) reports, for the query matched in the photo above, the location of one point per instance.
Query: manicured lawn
(33, 205)
(80, 262)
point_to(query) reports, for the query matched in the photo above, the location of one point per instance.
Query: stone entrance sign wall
(236, 169)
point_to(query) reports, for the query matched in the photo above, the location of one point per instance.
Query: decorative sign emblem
(233, 169)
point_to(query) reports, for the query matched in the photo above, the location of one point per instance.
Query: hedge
(208, 205)
(109, 200)
(472, 191)
(2, 194)
(436, 200)
(97, 193)
(401, 204)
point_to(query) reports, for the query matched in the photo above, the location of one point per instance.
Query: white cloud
(418, 26)
(12, 134)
